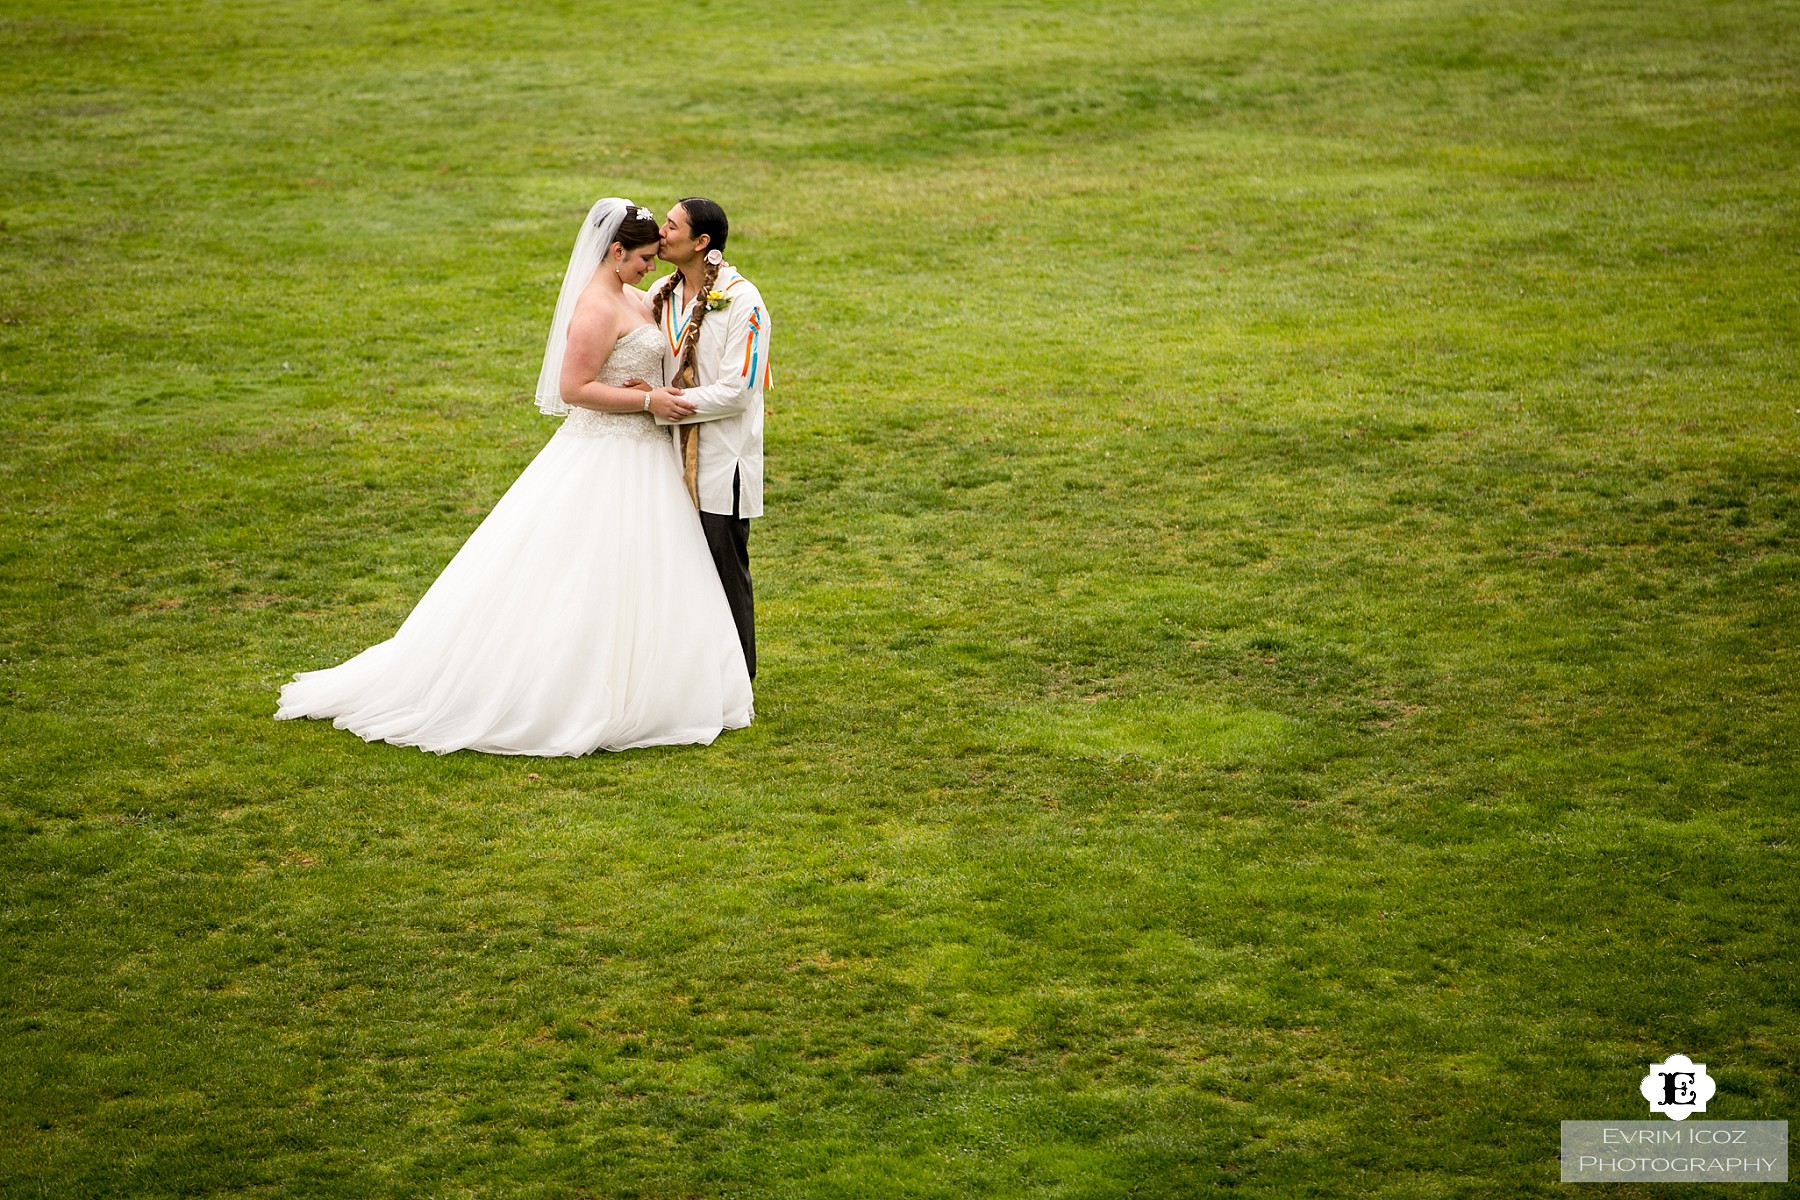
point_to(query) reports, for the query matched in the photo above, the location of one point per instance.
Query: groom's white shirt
(732, 368)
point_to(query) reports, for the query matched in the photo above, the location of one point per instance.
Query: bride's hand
(669, 405)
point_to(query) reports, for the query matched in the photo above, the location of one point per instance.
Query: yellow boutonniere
(716, 300)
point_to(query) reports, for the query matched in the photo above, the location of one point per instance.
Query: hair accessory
(644, 214)
(714, 258)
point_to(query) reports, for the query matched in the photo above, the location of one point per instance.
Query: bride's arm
(592, 333)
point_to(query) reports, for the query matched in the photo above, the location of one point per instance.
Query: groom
(716, 353)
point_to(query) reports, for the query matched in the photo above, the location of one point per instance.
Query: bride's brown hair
(636, 230)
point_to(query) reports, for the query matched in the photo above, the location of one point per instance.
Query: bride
(585, 612)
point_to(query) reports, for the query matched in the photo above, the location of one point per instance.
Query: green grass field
(1277, 605)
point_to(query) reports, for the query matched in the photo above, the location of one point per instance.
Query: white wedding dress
(584, 614)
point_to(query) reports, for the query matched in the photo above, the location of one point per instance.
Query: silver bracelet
(646, 401)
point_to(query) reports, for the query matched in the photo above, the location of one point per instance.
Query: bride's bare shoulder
(638, 300)
(593, 299)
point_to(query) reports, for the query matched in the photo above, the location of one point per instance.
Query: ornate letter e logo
(1678, 1088)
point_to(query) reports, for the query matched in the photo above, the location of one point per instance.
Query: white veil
(598, 232)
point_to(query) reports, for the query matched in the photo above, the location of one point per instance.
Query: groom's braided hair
(704, 217)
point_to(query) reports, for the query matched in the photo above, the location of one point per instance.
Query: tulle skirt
(584, 614)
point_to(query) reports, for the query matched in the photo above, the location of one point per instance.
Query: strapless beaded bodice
(637, 355)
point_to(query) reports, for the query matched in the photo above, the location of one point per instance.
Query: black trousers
(729, 540)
